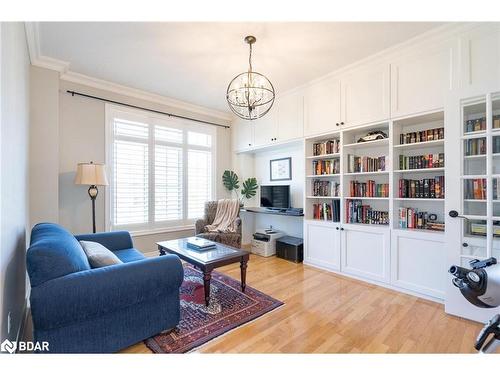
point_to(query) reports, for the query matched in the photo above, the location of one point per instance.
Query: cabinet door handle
(341, 123)
(337, 228)
(465, 244)
(341, 228)
(454, 213)
(337, 124)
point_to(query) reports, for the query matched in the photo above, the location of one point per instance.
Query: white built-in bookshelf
(369, 191)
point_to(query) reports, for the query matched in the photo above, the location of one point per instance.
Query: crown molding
(116, 88)
(36, 58)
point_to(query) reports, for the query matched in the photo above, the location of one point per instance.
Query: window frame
(152, 119)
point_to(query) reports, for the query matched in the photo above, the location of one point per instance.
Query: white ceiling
(194, 62)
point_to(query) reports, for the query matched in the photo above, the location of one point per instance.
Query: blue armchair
(77, 309)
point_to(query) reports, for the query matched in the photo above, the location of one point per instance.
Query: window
(162, 170)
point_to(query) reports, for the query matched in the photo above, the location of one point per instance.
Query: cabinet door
(242, 134)
(418, 262)
(365, 251)
(266, 128)
(322, 245)
(420, 83)
(290, 110)
(365, 96)
(480, 58)
(322, 107)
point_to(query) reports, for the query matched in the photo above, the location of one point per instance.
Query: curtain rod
(73, 93)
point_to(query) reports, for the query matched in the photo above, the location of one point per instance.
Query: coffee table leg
(207, 275)
(243, 267)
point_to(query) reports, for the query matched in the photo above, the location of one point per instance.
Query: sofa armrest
(199, 226)
(117, 240)
(83, 295)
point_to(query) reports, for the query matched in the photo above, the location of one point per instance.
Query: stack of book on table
(197, 243)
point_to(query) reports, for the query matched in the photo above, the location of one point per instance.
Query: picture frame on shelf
(280, 169)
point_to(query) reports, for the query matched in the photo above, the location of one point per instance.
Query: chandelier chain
(250, 58)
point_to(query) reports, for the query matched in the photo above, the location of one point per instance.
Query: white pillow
(98, 255)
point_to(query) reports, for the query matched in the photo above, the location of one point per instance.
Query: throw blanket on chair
(225, 216)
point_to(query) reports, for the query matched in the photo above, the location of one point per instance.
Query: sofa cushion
(129, 255)
(54, 252)
(98, 255)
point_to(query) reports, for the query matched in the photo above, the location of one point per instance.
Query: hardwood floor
(327, 313)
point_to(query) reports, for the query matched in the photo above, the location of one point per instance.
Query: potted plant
(232, 184)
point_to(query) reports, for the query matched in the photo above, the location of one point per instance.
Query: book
(360, 164)
(200, 243)
(357, 213)
(421, 136)
(424, 188)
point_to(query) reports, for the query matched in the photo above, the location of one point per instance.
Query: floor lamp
(92, 174)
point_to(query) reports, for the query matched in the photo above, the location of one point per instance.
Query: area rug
(229, 308)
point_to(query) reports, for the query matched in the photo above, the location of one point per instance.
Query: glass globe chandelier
(250, 95)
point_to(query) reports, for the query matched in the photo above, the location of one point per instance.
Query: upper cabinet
(366, 95)
(290, 116)
(480, 58)
(322, 107)
(242, 134)
(266, 128)
(421, 81)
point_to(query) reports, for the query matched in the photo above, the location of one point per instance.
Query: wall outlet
(8, 323)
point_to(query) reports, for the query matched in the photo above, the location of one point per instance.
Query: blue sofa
(78, 309)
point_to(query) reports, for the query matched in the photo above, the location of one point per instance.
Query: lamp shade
(91, 174)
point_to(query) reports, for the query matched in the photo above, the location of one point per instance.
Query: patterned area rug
(229, 308)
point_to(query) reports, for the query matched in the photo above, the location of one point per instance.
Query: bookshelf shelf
(365, 173)
(474, 156)
(377, 143)
(476, 200)
(325, 156)
(420, 199)
(420, 170)
(323, 175)
(426, 231)
(419, 145)
(368, 198)
(321, 197)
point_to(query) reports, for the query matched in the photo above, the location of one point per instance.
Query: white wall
(258, 165)
(14, 174)
(44, 145)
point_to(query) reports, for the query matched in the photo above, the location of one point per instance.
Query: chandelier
(250, 95)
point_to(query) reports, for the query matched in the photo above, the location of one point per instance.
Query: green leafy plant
(249, 187)
(231, 181)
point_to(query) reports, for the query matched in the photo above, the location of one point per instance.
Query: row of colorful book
(411, 218)
(327, 211)
(475, 125)
(475, 188)
(357, 164)
(424, 188)
(421, 136)
(358, 213)
(321, 188)
(476, 146)
(421, 161)
(368, 189)
(329, 166)
(331, 146)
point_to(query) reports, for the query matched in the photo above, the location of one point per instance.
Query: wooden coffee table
(207, 260)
